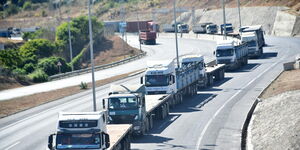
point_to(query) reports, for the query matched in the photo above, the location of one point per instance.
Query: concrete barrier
(286, 24)
(288, 66)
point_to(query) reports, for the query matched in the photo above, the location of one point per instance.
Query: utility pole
(193, 16)
(138, 23)
(175, 25)
(70, 44)
(238, 2)
(224, 21)
(92, 56)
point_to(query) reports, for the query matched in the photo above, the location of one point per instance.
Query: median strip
(19, 104)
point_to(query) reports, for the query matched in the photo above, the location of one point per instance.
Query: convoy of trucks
(232, 53)
(147, 37)
(132, 109)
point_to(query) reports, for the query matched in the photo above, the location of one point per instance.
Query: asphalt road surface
(216, 125)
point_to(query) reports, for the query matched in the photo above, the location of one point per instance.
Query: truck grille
(156, 92)
(223, 61)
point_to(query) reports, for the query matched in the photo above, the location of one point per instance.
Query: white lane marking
(219, 110)
(12, 145)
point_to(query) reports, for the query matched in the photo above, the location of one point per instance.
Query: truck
(162, 77)
(200, 28)
(129, 104)
(232, 53)
(147, 37)
(168, 28)
(254, 47)
(211, 29)
(88, 130)
(258, 31)
(228, 26)
(183, 28)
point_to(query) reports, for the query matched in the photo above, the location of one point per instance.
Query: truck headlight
(136, 117)
(109, 118)
(136, 128)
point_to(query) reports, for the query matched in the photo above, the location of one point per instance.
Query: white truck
(232, 53)
(161, 77)
(254, 48)
(129, 104)
(88, 130)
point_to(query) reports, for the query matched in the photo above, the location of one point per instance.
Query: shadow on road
(269, 55)
(247, 68)
(219, 83)
(150, 139)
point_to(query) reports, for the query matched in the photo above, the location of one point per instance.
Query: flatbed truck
(88, 130)
(162, 77)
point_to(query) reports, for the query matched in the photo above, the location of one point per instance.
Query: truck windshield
(123, 103)
(224, 52)
(157, 80)
(77, 141)
(251, 43)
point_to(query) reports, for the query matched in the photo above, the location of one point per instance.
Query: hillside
(50, 14)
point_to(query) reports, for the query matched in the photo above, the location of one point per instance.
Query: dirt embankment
(275, 122)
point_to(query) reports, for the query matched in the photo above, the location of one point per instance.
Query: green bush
(12, 9)
(83, 85)
(19, 71)
(76, 61)
(27, 6)
(29, 68)
(49, 65)
(37, 48)
(38, 76)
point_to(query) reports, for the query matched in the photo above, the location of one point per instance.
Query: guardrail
(101, 67)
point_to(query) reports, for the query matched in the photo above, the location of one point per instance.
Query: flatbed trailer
(120, 136)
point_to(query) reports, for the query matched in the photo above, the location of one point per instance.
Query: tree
(35, 49)
(80, 33)
(10, 58)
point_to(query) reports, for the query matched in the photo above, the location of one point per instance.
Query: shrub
(49, 65)
(27, 6)
(38, 76)
(29, 68)
(19, 71)
(83, 85)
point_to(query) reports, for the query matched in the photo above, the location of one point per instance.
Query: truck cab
(197, 60)
(126, 105)
(228, 26)
(183, 28)
(252, 42)
(211, 29)
(80, 130)
(160, 77)
(231, 53)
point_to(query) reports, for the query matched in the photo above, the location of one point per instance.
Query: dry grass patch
(287, 81)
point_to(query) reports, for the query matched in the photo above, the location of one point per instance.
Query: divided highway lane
(29, 129)
(217, 125)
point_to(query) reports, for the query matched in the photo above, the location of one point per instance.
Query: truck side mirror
(142, 80)
(103, 103)
(50, 142)
(214, 52)
(106, 138)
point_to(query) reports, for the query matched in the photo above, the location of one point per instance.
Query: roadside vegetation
(38, 58)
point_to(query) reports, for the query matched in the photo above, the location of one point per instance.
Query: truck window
(224, 52)
(157, 80)
(123, 103)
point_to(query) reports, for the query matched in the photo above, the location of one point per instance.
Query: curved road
(216, 125)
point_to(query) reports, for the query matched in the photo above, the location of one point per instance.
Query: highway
(216, 125)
